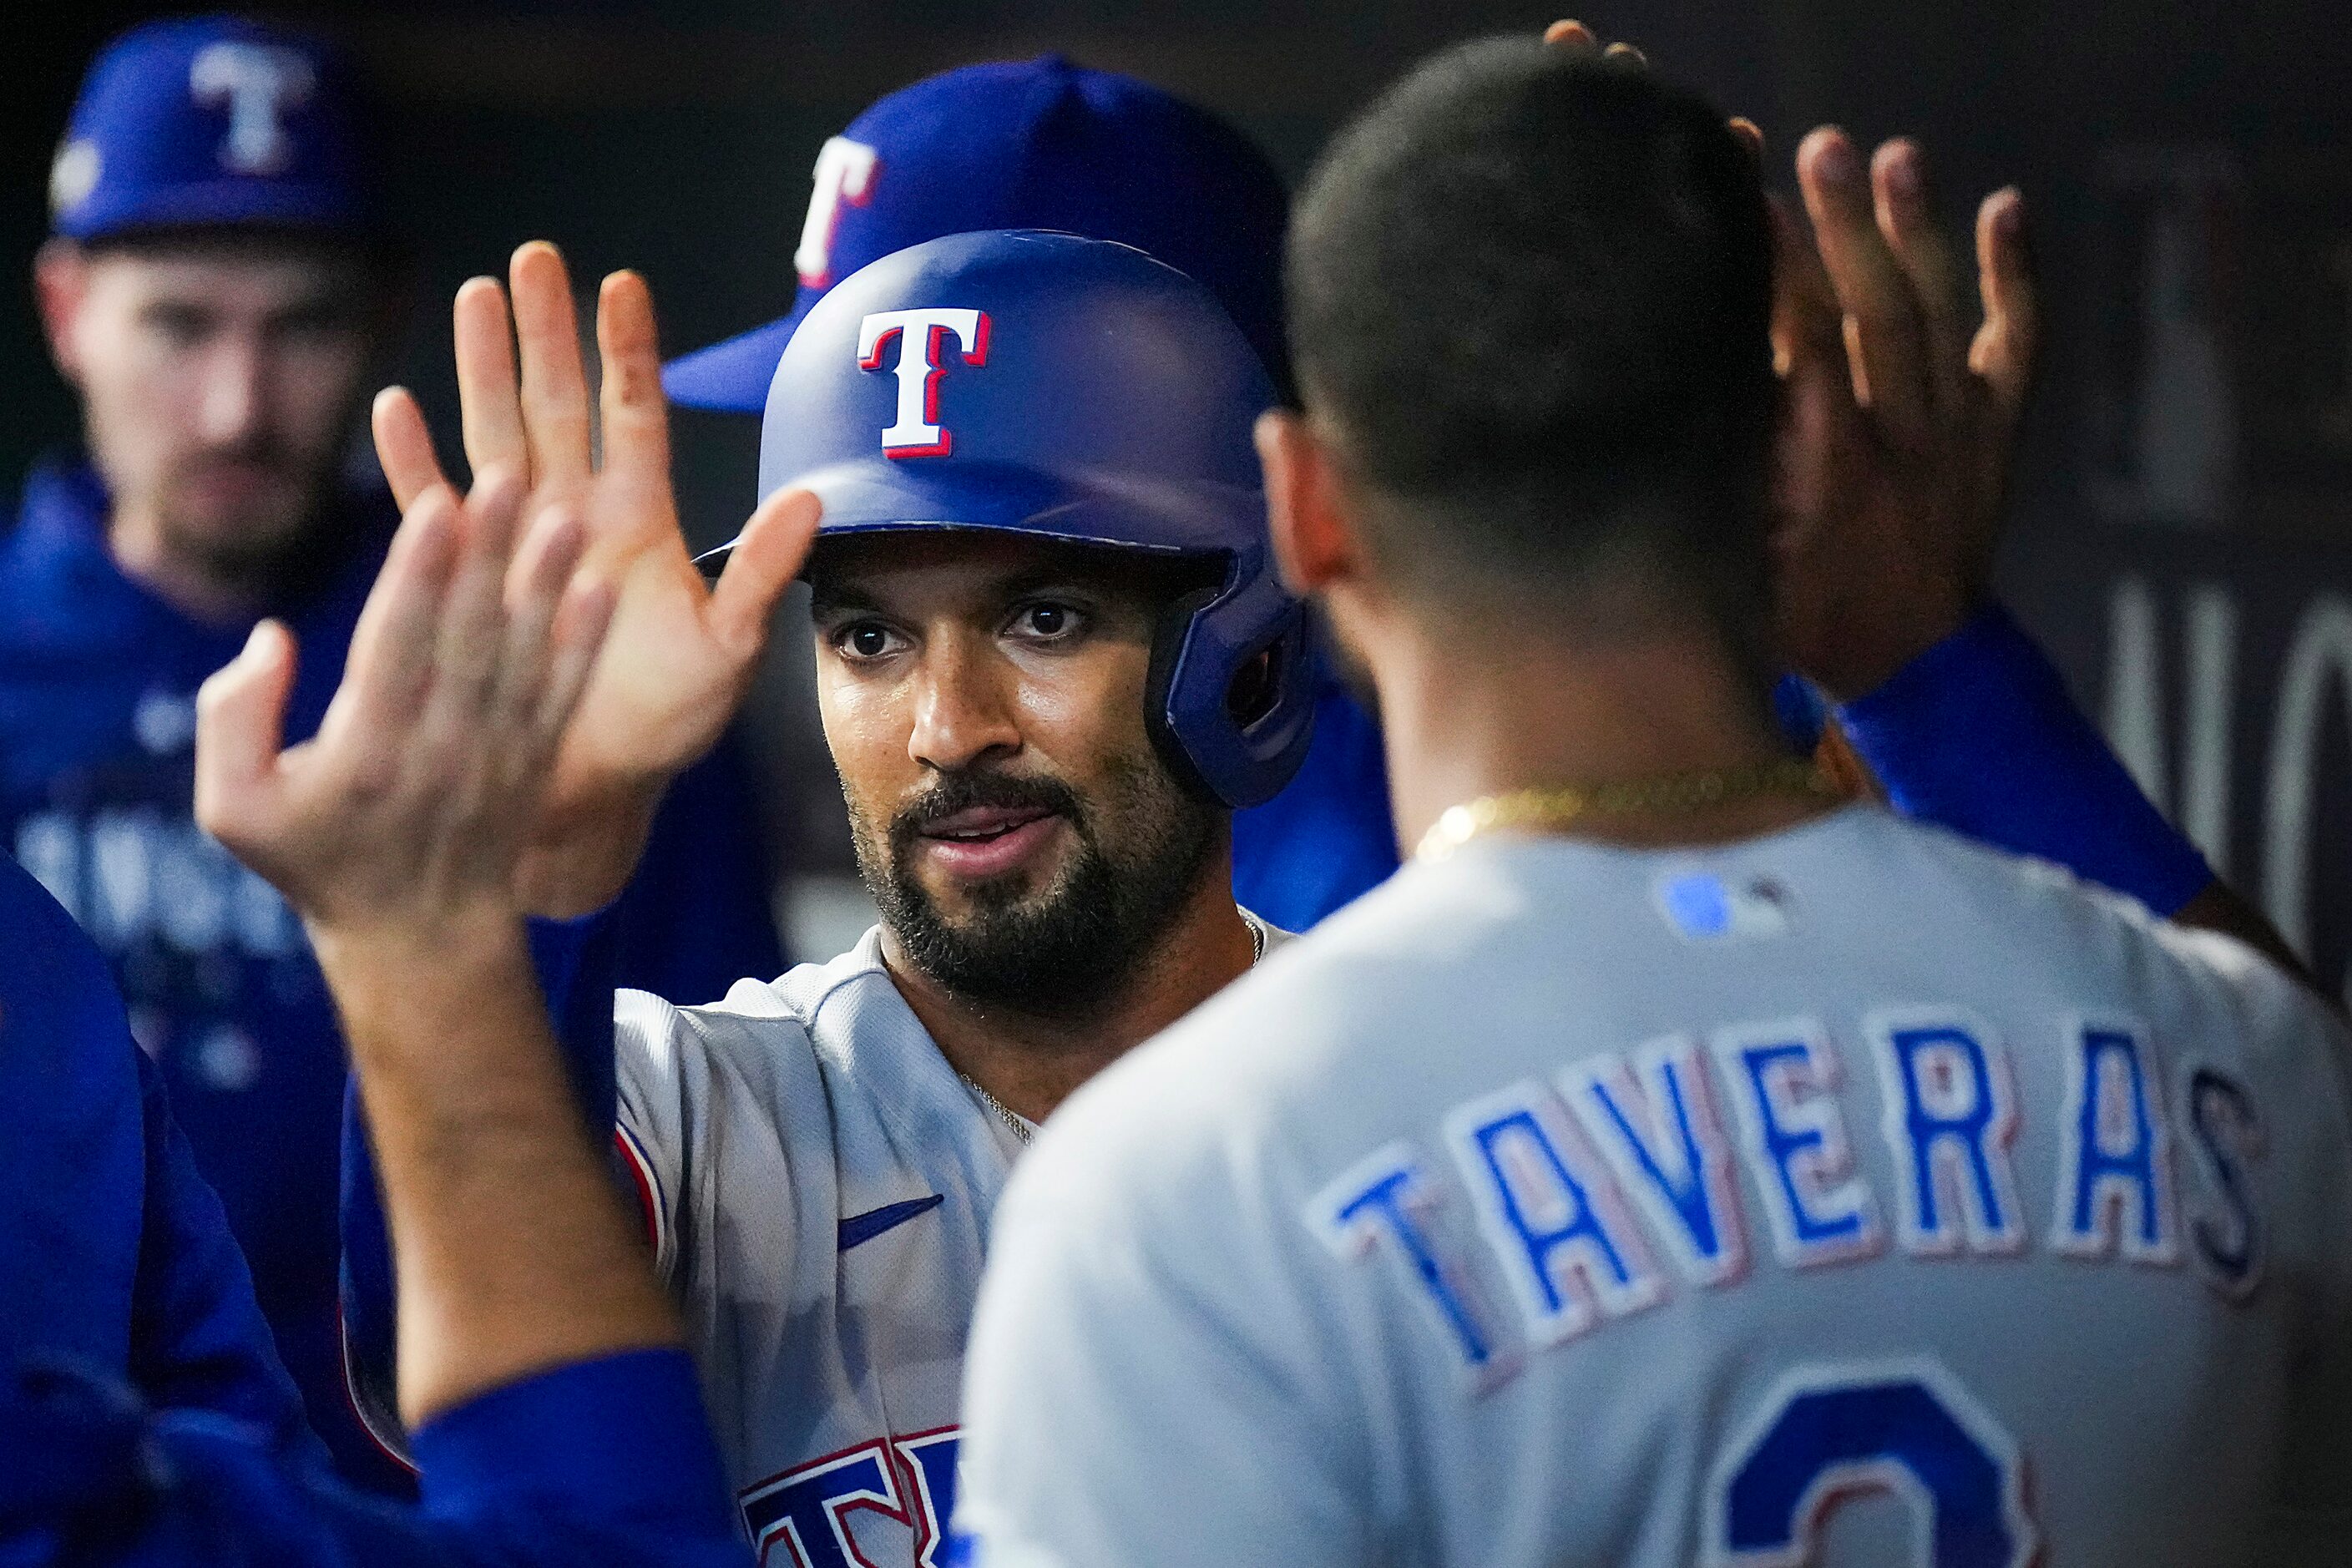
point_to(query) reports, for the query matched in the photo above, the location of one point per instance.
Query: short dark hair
(1531, 292)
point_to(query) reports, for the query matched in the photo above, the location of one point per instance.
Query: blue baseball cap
(1031, 144)
(214, 121)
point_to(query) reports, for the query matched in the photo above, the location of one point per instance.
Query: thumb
(240, 733)
(767, 555)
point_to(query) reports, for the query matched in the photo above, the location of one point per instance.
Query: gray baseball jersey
(818, 1182)
(1852, 1195)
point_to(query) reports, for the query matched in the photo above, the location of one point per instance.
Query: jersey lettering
(1385, 1197)
(259, 83)
(1828, 1433)
(2115, 1184)
(2227, 1135)
(806, 1509)
(1651, 1113)
(1551, 1213)
(1785, 1079)
(1950, 1114)
(917, 432)
(844, 176)
(929, 1462)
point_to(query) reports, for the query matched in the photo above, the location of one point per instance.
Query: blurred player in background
(145, 1417)
(1046, 144)
(1674, 1165)
(220, 294)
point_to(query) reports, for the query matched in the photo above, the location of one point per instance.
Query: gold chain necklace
(1020, 1129)
(1674, 795)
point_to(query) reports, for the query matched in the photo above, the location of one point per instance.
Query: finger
(1808, 326)
(1568, 34)
(1906, 218)
(1748, 132)
(2005, 345)
(554, 386)
(465, 654)
(403, 446)
(767, 555)
(1626, 52)
(1886, 346)
(581, 623)
(636, 420)
(390, 664)
(542, 569)
(487, 394)
(240, 733)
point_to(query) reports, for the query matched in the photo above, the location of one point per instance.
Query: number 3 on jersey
(1827, 1433)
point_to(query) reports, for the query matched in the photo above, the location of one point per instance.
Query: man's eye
(1049, 622)
(864, 640)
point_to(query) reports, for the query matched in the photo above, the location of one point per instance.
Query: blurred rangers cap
(212, 121)
(1031, 144)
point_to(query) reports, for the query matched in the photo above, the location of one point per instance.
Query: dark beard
(1061, 951)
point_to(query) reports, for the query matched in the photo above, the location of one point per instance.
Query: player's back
(1850, 1197)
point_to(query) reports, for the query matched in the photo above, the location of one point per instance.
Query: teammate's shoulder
(756, 1016)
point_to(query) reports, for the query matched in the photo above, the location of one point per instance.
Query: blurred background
(2180, 538)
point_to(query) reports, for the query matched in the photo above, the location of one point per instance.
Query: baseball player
(1053, 657)
(1045, 143)
(145, 1417)
(1672, 1165)
(219, 292)
(818, 1168)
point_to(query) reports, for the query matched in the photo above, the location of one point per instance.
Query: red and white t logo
(915, 433)
(843, 173)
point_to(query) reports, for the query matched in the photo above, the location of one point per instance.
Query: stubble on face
(1061, 949)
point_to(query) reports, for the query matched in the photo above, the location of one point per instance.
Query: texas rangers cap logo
(922, 337)
(257, 83)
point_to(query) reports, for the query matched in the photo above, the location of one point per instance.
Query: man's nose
(234, 393)
(963, 707)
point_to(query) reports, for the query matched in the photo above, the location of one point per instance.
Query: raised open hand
(407, 810)
(680, 653)
(1902, 419)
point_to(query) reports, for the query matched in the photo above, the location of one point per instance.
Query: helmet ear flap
(1248, 708)
(1168, 639)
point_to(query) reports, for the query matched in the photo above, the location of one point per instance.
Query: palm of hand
(1900, 426)
(678, 654)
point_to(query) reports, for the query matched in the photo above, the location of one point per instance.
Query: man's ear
(1306, 504)
(60, 283)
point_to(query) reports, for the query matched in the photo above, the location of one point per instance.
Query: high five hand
(1902, 411)
(680, 654)
(404, 816)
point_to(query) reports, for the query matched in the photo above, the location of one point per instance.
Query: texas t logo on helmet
(1115, 413)
(916, 431)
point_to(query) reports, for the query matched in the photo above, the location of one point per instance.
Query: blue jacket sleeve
(575, 961)
(1980, 734)
(606, 1461)
(197, 1336)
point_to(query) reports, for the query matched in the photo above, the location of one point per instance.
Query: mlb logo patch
(1703, 907)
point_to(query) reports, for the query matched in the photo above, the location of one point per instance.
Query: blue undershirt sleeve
(1980, 736)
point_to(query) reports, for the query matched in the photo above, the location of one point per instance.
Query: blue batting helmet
(1077, 389)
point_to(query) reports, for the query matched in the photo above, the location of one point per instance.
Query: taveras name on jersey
(1793, 1202)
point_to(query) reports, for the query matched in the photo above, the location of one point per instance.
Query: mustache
(263, 451)
(962, 791)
